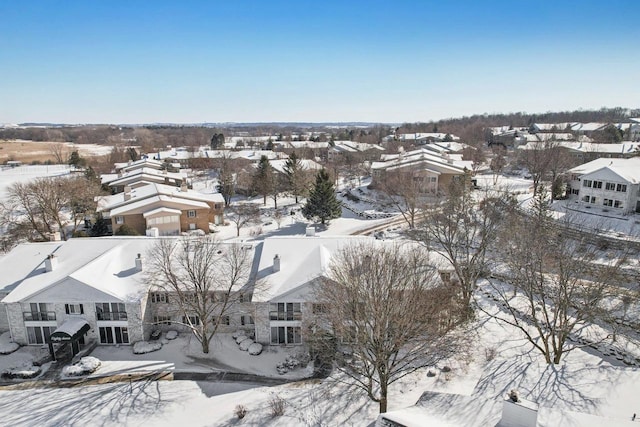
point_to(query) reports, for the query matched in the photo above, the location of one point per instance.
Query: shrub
(240, 411)
(240, 338)
(277, 406)
(255, 349)
(126, 230)
(244, 345)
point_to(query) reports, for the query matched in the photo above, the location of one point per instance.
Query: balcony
(285, 315)
(113, 315)
(39, 316)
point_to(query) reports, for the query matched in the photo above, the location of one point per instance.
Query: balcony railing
(113, 315)
(39, 316)
(285, 315)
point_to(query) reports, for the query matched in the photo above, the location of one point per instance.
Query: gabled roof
(152, 193)
(302, 259)
(628, 169)
(445, 163)
(86, 268)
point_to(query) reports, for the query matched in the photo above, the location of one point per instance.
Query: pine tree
(263, 179)
(322, 202)
(295, 175)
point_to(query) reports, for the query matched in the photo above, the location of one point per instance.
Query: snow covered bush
(244, 345)
(236, 334)
(240, 411)
(8, 347)
(255, 349)
(240, 338)
(172, 335)
(21, 372)
(86, 365)
(142, 347)
(293, 361)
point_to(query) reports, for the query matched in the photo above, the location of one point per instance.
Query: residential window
(575, 191)
(38, 312)
(586, 199)
(593, 199)
(617, 204)
(159, 297)
(73, 309)
(610, 186)
(587, 183)
(621, 188)
(608, 202)
(113, 335)
(246, 320)
(39, 334)
(597, 184)
(191, 213)
(285, 311)
(217, 206)
(192, 226)
(110, 311)
(162, 320)
(119, 220)
(286, 335)
(224, 320)
(191, 320)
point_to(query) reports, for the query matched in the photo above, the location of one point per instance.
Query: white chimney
(517, 412)
(184, 187)
(127, 192)
(50, 262)
(311, 230)
(139, 263)
(276, 263)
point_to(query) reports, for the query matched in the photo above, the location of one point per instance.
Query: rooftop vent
(138, 261)
(50, 262)
(276, 263)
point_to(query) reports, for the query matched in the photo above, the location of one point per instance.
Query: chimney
(183, 186)
(139, 263)
(517, 412)
(311, 231)
(50, 262)
(127, 192)
(276, 263)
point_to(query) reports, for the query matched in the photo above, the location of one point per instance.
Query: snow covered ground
(26, 173)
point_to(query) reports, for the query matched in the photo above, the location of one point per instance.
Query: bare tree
(204, 279)
(406, 191)
(462, 229)
(33, 210)
(243, 214)
(60, 153)
(554, 286)
(370, 301)
(498, 162)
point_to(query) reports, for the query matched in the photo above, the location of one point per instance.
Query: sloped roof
(105, 265)
(302, 259)
(628, 169)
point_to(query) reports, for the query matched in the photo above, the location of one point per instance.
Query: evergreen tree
(263, 180)
(295, 175)
(322, 202)
(75, 160)
(217, 141)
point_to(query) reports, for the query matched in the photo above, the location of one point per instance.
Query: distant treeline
(468, 128)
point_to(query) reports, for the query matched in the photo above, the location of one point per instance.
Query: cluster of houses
(100, 290)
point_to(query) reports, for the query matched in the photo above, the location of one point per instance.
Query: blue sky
(380, 61)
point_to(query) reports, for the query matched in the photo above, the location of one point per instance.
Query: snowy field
(24, 174)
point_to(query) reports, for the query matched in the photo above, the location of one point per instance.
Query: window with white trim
(73, 309)
(162, 320)
(191, 213)
(119, 220)
(159, 297)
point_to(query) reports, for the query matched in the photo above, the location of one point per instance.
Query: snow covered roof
(153, 193)
(306, 164)
(302, 259)
(87, 269)
(588, 127)
(142, 163)
(628, 169)
(445, 163)
(142, 174)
